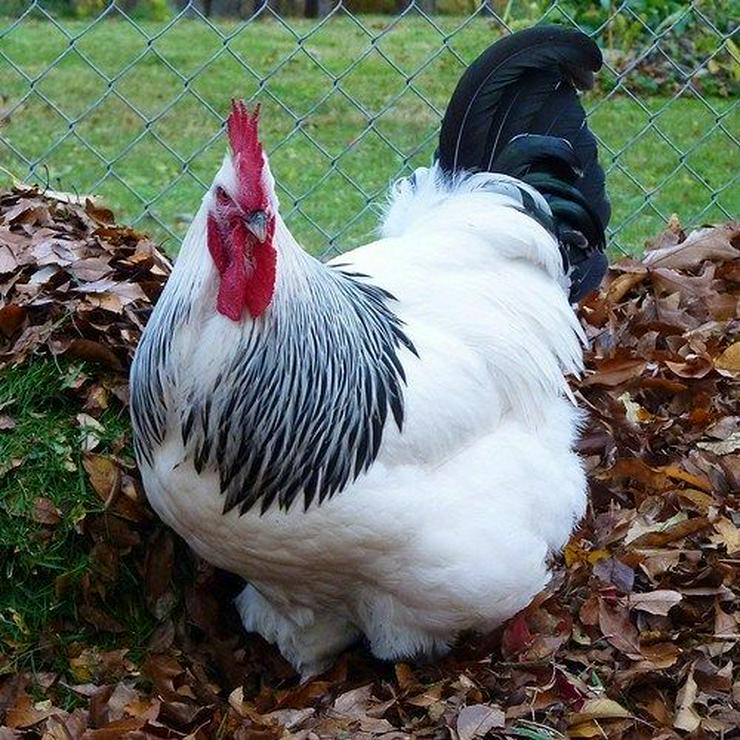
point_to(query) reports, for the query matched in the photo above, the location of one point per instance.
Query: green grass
(331, 209)
(41, 565)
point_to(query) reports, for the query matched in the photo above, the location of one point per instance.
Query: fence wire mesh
(132, 111)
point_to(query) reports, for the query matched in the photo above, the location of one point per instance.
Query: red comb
(246, 151)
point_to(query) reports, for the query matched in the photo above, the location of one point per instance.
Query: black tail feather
(527, 153)
(516, 110)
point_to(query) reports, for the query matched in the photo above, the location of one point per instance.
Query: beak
(257, 223)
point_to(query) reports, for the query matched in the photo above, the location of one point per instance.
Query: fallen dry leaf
(92, 431)
(616, 627)
(687, 718)
(477, 720)
(729, 360)
(11, 319)
(45, 512)
(105, 475)
(599, 708)
(722, 447)
(655, 602)
(729, 535)
(27, 713)
(711, 243)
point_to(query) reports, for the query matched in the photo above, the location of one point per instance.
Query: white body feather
(452, 526)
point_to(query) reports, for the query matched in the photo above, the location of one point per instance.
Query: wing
(478, 291)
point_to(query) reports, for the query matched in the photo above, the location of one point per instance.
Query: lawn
(142, 130)
(43, 482)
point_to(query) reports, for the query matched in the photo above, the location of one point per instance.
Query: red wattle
(246, 271)
(232, 291)
(229, 261)
(261, 283)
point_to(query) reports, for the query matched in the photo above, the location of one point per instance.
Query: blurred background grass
(148, 142)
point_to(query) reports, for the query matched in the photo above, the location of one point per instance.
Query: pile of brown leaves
(634, 638)
(71, 281)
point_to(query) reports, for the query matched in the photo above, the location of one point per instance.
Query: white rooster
(383, 445)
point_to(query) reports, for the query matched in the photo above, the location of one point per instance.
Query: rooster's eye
(222, 197)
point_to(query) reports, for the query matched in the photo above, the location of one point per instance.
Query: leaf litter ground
(635, 637)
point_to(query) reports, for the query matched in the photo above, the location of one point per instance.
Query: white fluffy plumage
(452, 526)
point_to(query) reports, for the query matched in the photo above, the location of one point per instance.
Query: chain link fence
(132, 110)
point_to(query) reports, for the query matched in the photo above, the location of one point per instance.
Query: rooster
(382, 445)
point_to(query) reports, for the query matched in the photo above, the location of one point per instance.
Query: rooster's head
(241, 222)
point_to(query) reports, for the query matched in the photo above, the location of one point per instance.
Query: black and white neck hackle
(300, 408)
